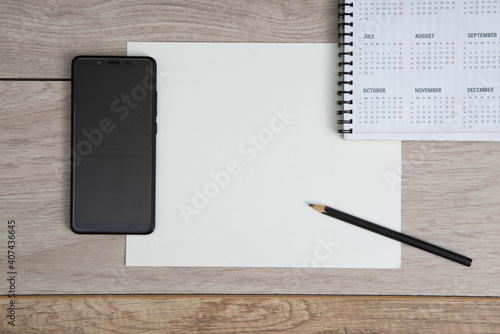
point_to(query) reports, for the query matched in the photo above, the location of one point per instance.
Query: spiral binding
(346, 44)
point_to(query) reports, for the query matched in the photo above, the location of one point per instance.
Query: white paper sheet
(246, 138)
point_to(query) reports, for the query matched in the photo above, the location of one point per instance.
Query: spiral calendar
(420, 70)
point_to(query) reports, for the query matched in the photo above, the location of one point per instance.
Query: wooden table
(450, 194)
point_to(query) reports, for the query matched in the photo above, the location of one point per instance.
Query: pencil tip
(320, 208)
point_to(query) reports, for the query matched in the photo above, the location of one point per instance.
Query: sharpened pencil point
(320, 208)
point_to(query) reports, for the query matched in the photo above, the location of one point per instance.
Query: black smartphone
(113, 144)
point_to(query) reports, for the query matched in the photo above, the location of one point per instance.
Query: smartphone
(113, 144)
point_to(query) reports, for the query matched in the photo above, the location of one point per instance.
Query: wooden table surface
(450, 194)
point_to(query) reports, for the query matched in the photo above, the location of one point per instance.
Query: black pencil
(406, 239)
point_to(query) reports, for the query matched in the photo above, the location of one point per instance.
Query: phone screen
(113, 144)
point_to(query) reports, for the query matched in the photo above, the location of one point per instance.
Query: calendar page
(423, 70)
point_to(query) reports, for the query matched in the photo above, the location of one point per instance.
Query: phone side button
(156, 103)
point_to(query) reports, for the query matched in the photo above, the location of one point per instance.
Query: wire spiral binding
(346, 43)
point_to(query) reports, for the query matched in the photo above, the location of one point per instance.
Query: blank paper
(247, 137)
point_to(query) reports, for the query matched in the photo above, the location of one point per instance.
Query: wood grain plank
(250, 314)
(39, 40)
(450, 197)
